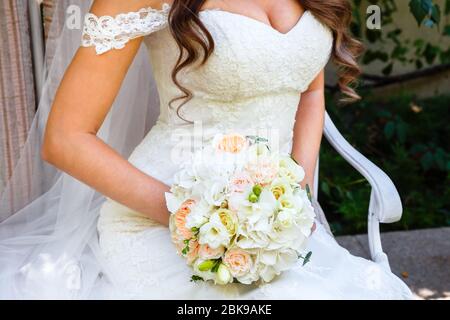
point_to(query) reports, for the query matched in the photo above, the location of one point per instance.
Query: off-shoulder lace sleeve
(106, 33)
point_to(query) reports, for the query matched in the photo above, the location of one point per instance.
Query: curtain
(47, 12)
(17, 92)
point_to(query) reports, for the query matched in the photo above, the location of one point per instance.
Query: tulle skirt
(144, 264)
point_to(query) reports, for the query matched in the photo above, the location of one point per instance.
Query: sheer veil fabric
(48, 234)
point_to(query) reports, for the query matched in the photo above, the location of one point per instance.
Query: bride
(219, 66)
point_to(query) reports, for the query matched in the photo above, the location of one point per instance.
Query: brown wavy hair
(196, 43)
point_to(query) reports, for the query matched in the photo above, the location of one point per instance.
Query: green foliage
(408, 140)
(391, 46)
(425, 11)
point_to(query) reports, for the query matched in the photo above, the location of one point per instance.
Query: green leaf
(196, 278)
(427, 161)
(446, 31)
(401, 132)
(388, 69)
(307, 258)
(325, 188)
(430, 53)
(445, 56)
(419, 64)
(308, 192)
(415, 6)
(216, 265)
(399, 52)
(389, 130)
(373, 35)
(436, 14)
(371, 56)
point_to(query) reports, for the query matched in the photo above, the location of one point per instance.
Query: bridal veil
(48, 236)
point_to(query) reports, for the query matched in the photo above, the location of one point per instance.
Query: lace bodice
(252, 81)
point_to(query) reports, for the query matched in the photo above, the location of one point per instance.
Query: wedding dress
(252, 83)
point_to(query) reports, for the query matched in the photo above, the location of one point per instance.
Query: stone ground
(420, 257)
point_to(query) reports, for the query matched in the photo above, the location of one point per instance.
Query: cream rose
(238, 261)
(228, 219)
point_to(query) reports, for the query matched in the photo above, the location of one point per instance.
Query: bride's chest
(250, 57)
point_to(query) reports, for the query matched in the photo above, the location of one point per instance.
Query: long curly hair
(196, 43)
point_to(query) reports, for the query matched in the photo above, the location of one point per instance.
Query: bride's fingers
(313, 227)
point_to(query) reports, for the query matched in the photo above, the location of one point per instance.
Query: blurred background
(401, 124)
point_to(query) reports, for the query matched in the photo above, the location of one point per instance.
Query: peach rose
(238, 261)
(205, 252)
(240, 181)
(180, 219)
(263, 172)
(192, 254)
(232, 143)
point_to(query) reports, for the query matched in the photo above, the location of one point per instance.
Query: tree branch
(377, 81)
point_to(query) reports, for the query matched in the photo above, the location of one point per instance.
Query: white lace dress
(252, 83)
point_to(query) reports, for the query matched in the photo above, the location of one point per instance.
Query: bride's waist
(270, 109)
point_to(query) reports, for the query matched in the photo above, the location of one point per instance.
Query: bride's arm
(308, 128)
(82, 102)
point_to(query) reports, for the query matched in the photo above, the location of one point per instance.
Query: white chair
(385, 205)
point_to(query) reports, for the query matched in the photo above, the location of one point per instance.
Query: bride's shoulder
(111, 24)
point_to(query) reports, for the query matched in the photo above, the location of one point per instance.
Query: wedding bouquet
(239, 213)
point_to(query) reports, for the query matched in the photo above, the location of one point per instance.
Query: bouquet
(238, 212)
